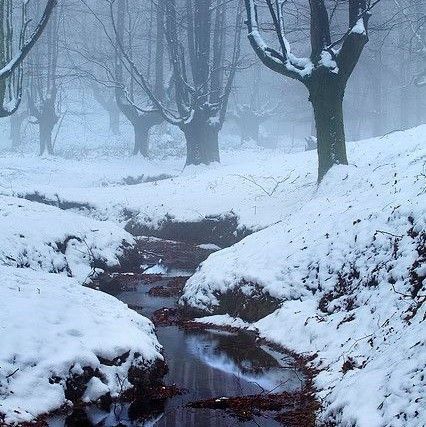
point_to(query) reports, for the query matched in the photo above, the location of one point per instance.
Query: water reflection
(207, 363)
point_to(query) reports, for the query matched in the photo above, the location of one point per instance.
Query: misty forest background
(80, 94)
(204, 154)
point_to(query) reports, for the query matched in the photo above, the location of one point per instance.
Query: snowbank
(60, 341)
(53, 331)
(349, 266)
(251, 185)
(27, 173)
(43, 237)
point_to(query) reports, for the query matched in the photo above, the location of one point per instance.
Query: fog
(212, 213)
(77, 61)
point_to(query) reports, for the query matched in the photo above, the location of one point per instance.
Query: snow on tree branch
(27, 45)
(281, 62)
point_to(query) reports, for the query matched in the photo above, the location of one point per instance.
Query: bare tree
(325, 74)
(143, 118)
(414, 14)
(43, 89)
(202, 78)
(107, 100)
(17, 120)
(11, 60)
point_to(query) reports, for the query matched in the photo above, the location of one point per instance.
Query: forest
(212, 213)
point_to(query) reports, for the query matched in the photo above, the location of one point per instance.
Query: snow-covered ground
(39, 236)
(252, 184)
(349, 266)
(344, 257)
(28, 173)
(51, 329)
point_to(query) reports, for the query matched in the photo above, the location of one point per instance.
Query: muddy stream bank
(216, 377)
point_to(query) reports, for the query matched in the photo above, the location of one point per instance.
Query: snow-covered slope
(252, 184)
(43, 237)
(345, 260)
(349, 265)
(51, 330)
(60, 341)
(26, 173)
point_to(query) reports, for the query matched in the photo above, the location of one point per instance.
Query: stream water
(206, 364)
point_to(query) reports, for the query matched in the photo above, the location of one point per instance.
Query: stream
(204, 364)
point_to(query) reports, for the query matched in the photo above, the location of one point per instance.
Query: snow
(340, 258)
(51, 326)
(217, 189)
(209, 247)
(33, 235)
(328, 62)
(359, 27)
(223, 320)
(156, 269)
(25, 174)
(363, 217)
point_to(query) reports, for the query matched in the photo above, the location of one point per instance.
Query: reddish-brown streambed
(208, 366)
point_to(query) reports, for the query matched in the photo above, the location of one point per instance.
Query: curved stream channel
(205, 363)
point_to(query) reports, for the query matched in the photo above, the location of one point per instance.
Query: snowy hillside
(343, 277)
(38, 236)
(258, 187)
(336, 270)
(54, 333)
(59, 340)
(251, 184)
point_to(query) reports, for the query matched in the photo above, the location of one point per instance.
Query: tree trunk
(202, 142)
(250, 129)
(327, 101)
(16, 121)
(141, 130)
(114, 120)
(45, 130)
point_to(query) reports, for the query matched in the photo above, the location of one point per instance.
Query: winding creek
(204, 363)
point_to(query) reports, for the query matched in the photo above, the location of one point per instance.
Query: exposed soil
(61, 204)
(291, 409)
(221, 230)
(150, 251)
(173, 288)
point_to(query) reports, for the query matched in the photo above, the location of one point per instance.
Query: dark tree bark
(142, 120)
(204, 107)
(27, 43)
(11, 60)
(141, 139)
(202, 140)
(109, 104)
(326, 96)
(114, 119)
(325, 74)
(43, 88)
(16, 122)
(142, 124)
(201, 91)
(47, 121)
(249, 119)
(248, 124)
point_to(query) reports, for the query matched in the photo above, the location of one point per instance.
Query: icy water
(204, 363)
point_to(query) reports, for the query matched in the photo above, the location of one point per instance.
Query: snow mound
(23, 173)
(43, 237)
(53, 331)
(248, 185)
(349, 268)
